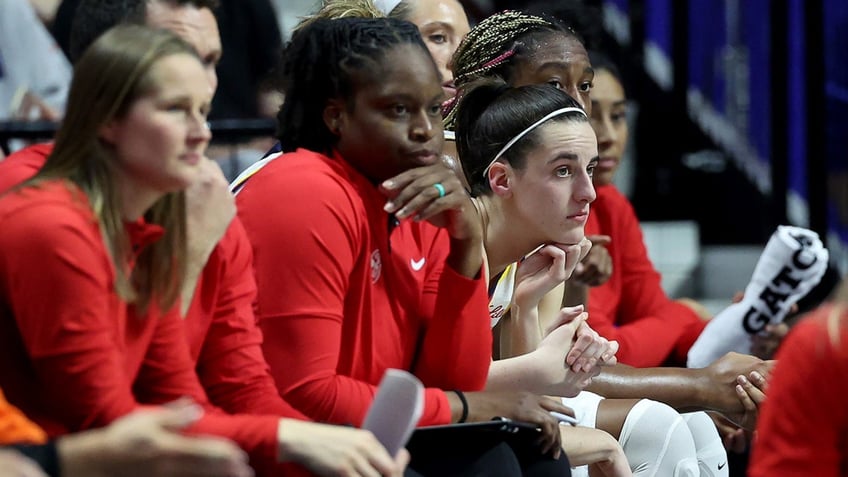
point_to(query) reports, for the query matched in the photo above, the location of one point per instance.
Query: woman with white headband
(528, 154)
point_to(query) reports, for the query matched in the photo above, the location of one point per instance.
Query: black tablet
(498, 429)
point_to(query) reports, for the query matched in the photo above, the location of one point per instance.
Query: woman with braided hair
(523, 49)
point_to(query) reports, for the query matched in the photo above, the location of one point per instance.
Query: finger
(743, 396)
(554, 405)
(581, 349)
(752, 393)
(737, 297)
(392, 186)
(366, 468)
(568, 316)
(758, 380)
(549, 440)
(402, 461)
(199, 465)
(766, 367)
(430, 201)
(587, 349)
(420, 191)
(380, 460)
(738, 441)
(568, 262)
(176, 415)
(599, 239)
(609, 357)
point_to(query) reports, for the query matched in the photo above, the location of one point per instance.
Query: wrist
(84, 453)
(288, 447)
(463, 416)
(702, 392)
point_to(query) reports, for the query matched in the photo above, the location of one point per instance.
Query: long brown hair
(108, 78)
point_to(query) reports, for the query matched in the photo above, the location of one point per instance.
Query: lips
(581, 216)
(607, 162)
(449, 89)
(425, 157)
(192, 158)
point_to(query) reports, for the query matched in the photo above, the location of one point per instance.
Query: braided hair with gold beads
(492, 47)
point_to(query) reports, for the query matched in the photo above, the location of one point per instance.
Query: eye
(618, 117)
(563, 171)
(211, 60)
(591, 170)
(585, 86)
(436, 110)
(438, 38)
(399, 109)
(177, 108)
(555, 83)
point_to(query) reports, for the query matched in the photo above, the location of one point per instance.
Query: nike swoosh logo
(417, 264)
(721, 466)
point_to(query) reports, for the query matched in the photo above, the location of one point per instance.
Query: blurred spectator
(34, 75)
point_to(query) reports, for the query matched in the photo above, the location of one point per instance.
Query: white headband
(386, 6)
(530, 128)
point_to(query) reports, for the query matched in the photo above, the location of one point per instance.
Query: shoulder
(53, 212)
(22, 165)
(297, 180)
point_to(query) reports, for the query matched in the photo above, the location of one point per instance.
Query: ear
(109, 132)
(333, 112)
(500, 179)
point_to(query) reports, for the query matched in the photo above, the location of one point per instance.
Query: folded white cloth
(792, 263)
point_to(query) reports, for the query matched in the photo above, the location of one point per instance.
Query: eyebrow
(438, 24)
(620, 102)
(564, 65)
(570, 156)
(405, 97)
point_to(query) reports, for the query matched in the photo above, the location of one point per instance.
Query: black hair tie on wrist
(464, 401)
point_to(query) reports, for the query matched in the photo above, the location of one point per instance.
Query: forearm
(197, 258)
(586, 446)
(530, 373)
(456, 348)
(466, 257)
(521, 331)
(681, 388)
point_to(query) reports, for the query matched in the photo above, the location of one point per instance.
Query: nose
(423, 127)
(604, 130)
(574, 92)
(199, 129)
(584, 190)
(212, 76)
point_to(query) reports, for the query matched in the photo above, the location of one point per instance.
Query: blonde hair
(109, 77)
(334, 9)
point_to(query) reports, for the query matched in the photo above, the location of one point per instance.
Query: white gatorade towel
(792, 263)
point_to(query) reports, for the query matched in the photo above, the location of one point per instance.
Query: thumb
(177, 415)
(569, 314)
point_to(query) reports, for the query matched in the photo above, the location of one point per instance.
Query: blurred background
(739, 114)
